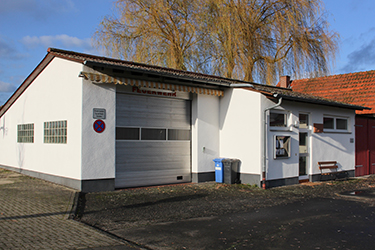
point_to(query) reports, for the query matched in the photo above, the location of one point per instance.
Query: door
(304, 149)
(371, 145)
(361, 147)
(152, 140)
(303, 155)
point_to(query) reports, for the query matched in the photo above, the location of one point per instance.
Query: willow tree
(272, 37)
(243, 39)
(161, 32)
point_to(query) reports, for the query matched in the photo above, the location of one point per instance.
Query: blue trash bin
(219, 170)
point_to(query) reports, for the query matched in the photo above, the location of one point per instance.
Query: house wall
(241, 132)
(205, 136)
(98, 149)
(326, 146)
(56, 94)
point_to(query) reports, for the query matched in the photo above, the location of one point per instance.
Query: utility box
(219, 170)
(231, 171)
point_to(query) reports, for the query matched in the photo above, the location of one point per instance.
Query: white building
(95, 124)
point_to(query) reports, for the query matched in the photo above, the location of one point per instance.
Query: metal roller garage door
(152, 140)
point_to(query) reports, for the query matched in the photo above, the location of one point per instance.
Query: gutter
(241, 85)
(263, 181)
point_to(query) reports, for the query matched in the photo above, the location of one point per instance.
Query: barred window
(55, 132)
(25, 133)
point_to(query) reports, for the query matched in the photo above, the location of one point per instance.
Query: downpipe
(264, 174)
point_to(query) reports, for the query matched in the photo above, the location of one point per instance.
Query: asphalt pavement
(315, 224)
(35, 214)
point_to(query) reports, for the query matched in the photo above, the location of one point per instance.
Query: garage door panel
(152, 162)
(152, 111)
(133, 147)
(140, 179)
(145, 162)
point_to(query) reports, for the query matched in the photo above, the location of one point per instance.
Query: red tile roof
(354, 88)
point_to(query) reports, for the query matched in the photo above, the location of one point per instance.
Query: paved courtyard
(34, 215)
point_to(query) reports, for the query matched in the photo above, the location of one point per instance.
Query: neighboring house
(94, 123)
(357, 89)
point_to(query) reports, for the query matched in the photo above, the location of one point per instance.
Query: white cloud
(6, 87)
(56, 41)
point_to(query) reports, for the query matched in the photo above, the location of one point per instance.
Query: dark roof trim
(321, 102)
(91, 60)
(184, 80)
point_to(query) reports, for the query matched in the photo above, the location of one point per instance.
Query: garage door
(152, 140)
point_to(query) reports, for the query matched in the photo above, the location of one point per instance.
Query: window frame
(56, 132)
(286, 126)
(25, 133)
(169, 134)
(335, 128)
(302, 127)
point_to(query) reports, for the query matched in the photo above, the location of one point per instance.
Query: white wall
(205, 133)
(56, 94)
(98, 149)
(333, 146)
(323, 146)
(282, 167)
(241, 129)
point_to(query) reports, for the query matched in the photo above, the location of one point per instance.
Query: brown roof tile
(354, 88)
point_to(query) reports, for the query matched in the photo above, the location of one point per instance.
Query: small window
(332, 124)
(341, 124)
(127, 133)
(55, 132)
(153, 134)
(178, 134)
(25, 133)
(282, 147)
(303, 121)
(328, 123)
(278, 119)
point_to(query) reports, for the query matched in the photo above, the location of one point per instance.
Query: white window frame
(335, 129)
(286, 122)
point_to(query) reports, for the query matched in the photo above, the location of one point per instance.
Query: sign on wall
(98, 113)
(99, 126)
(282, 146)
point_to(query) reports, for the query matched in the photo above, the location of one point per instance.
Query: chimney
(284, 82)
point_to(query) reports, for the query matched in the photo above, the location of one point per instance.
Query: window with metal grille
(55, 132)
(25, 133)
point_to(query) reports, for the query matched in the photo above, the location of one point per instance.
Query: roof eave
(160, 74)
(323, 102)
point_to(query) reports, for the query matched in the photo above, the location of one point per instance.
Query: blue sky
(29, 27)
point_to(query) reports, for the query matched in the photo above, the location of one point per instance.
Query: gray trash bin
(231, 171)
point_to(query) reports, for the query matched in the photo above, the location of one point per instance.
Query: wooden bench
(328, 165)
